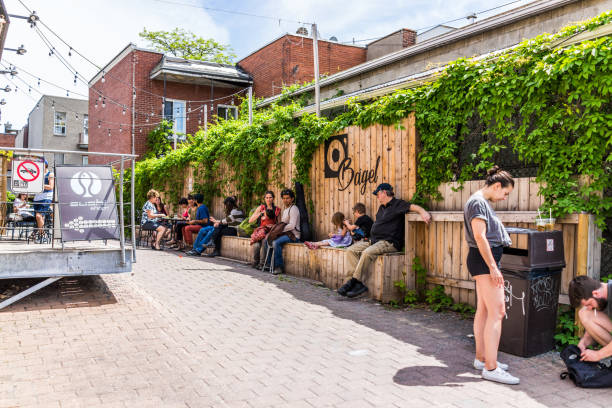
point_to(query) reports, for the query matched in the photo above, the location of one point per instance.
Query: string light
(120, 129)
(76, 76)
(67, 94)
(140, 130)
(109, 132)
(70, 52)
(96, 104)
(99, 124)
(76, 116)
(104, 102)
(103, 78)
(39, 82)
(123, 112)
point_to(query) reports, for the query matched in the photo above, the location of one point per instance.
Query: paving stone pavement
(191, 332)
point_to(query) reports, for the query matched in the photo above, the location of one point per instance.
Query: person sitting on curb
(363, 223)
(592, 296)
(291, 231)
(387, 235)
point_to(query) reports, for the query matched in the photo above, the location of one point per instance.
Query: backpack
(585, 374)
(300, 202)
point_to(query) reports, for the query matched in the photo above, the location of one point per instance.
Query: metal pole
(133, 102)
(315, 49)
(132, 211)
(250, 105)
(121, 222)
(205, 119)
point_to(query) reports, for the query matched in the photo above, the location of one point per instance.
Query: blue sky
(101, 28)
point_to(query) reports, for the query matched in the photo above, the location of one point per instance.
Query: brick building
(7, 139)
(141, 87)
(289, 59)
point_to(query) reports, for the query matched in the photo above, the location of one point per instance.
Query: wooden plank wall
(442, 248)
(396, 147)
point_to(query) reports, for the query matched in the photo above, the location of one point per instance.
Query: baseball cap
(383, 186)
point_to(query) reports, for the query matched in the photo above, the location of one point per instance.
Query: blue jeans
(278, 244)
(203, 238)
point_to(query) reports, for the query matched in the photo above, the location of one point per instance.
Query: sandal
(311, 245)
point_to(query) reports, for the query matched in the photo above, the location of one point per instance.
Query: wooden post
(588, 252)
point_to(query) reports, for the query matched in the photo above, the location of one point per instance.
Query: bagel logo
(336, 151)
(85, 184)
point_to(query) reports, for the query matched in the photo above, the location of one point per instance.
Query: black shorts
(150, 226)
(476, 265)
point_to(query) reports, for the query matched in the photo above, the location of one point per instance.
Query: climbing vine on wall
(547, 101)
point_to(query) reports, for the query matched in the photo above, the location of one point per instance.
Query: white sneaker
(500, 376)
(480, 365)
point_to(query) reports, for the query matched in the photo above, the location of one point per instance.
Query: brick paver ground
(189, 332)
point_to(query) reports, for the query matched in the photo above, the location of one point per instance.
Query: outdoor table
(172, 221)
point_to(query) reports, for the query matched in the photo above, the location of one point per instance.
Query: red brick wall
(117, 86)
(289, 60)
(7, 139)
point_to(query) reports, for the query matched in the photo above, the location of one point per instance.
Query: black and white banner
(87, 204)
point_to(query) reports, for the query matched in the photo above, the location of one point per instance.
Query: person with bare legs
(486, 237)
(593, 296)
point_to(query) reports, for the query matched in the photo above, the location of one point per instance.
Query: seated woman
(21, 209)
(226, 226)
(150, 220)
(339, 239)
(184, 205)
(267, 214)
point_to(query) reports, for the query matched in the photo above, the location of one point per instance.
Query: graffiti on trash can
(510, 297)
(542, 293)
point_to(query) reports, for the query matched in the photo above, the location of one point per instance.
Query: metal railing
(120, 206)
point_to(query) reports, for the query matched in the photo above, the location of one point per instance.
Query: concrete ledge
(327, 265)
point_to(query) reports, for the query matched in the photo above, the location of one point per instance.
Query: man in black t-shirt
(363, 223)
(387, 235)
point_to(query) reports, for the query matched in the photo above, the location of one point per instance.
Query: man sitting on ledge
(592, 296)
(387, 235)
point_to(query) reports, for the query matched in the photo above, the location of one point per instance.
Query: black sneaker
(212, 255)
(192, 253)
(358, 289)
(344, 289)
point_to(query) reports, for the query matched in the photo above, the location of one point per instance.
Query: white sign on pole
(28, 176)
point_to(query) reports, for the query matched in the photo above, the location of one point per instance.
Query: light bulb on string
(75, 77)
(147, 118)
(99, 124)
(120, 129)
(123, 112)
(52, 104)
(104, 102)
(51, 52)
(67, 94)
(103, 78)
(39, 82)
(140, 130)
(76, 116)
(70, 52)
(16, 87)
(134, 94)
(109, 131)
(29, 89)
(96, 104)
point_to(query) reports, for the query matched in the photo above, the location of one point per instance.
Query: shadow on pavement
(69, 292)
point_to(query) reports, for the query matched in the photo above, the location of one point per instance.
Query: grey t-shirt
(478, 207)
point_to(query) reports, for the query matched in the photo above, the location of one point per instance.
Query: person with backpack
(594, 298)
(266, 215)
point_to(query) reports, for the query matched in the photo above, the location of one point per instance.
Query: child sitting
(363, 223)
(341, 238)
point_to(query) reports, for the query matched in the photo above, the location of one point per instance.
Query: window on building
(85, 138)
(174, 111)
(227, 112)
(58, 158)
(59, 124)
(85, 160)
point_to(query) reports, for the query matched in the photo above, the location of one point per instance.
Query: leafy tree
(185, 44)
(159, 142)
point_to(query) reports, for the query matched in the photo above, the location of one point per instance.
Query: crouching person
(387, 235)
(593, 297)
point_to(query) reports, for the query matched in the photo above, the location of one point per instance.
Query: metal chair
(269, 249)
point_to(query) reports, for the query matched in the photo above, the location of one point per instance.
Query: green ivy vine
(547, 102)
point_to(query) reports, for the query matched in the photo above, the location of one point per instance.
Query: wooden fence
(442, 248)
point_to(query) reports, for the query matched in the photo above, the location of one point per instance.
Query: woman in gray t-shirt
(486, 237)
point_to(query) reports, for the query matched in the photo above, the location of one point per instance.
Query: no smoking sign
(27, 176)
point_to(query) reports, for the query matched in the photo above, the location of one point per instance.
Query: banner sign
(339, 165)
(27, 175)
(87, 204)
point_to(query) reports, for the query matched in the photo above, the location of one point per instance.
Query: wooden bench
(328, 265)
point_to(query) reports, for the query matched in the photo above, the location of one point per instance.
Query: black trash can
(532, 278)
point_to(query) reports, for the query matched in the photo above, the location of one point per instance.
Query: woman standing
(486, 237)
